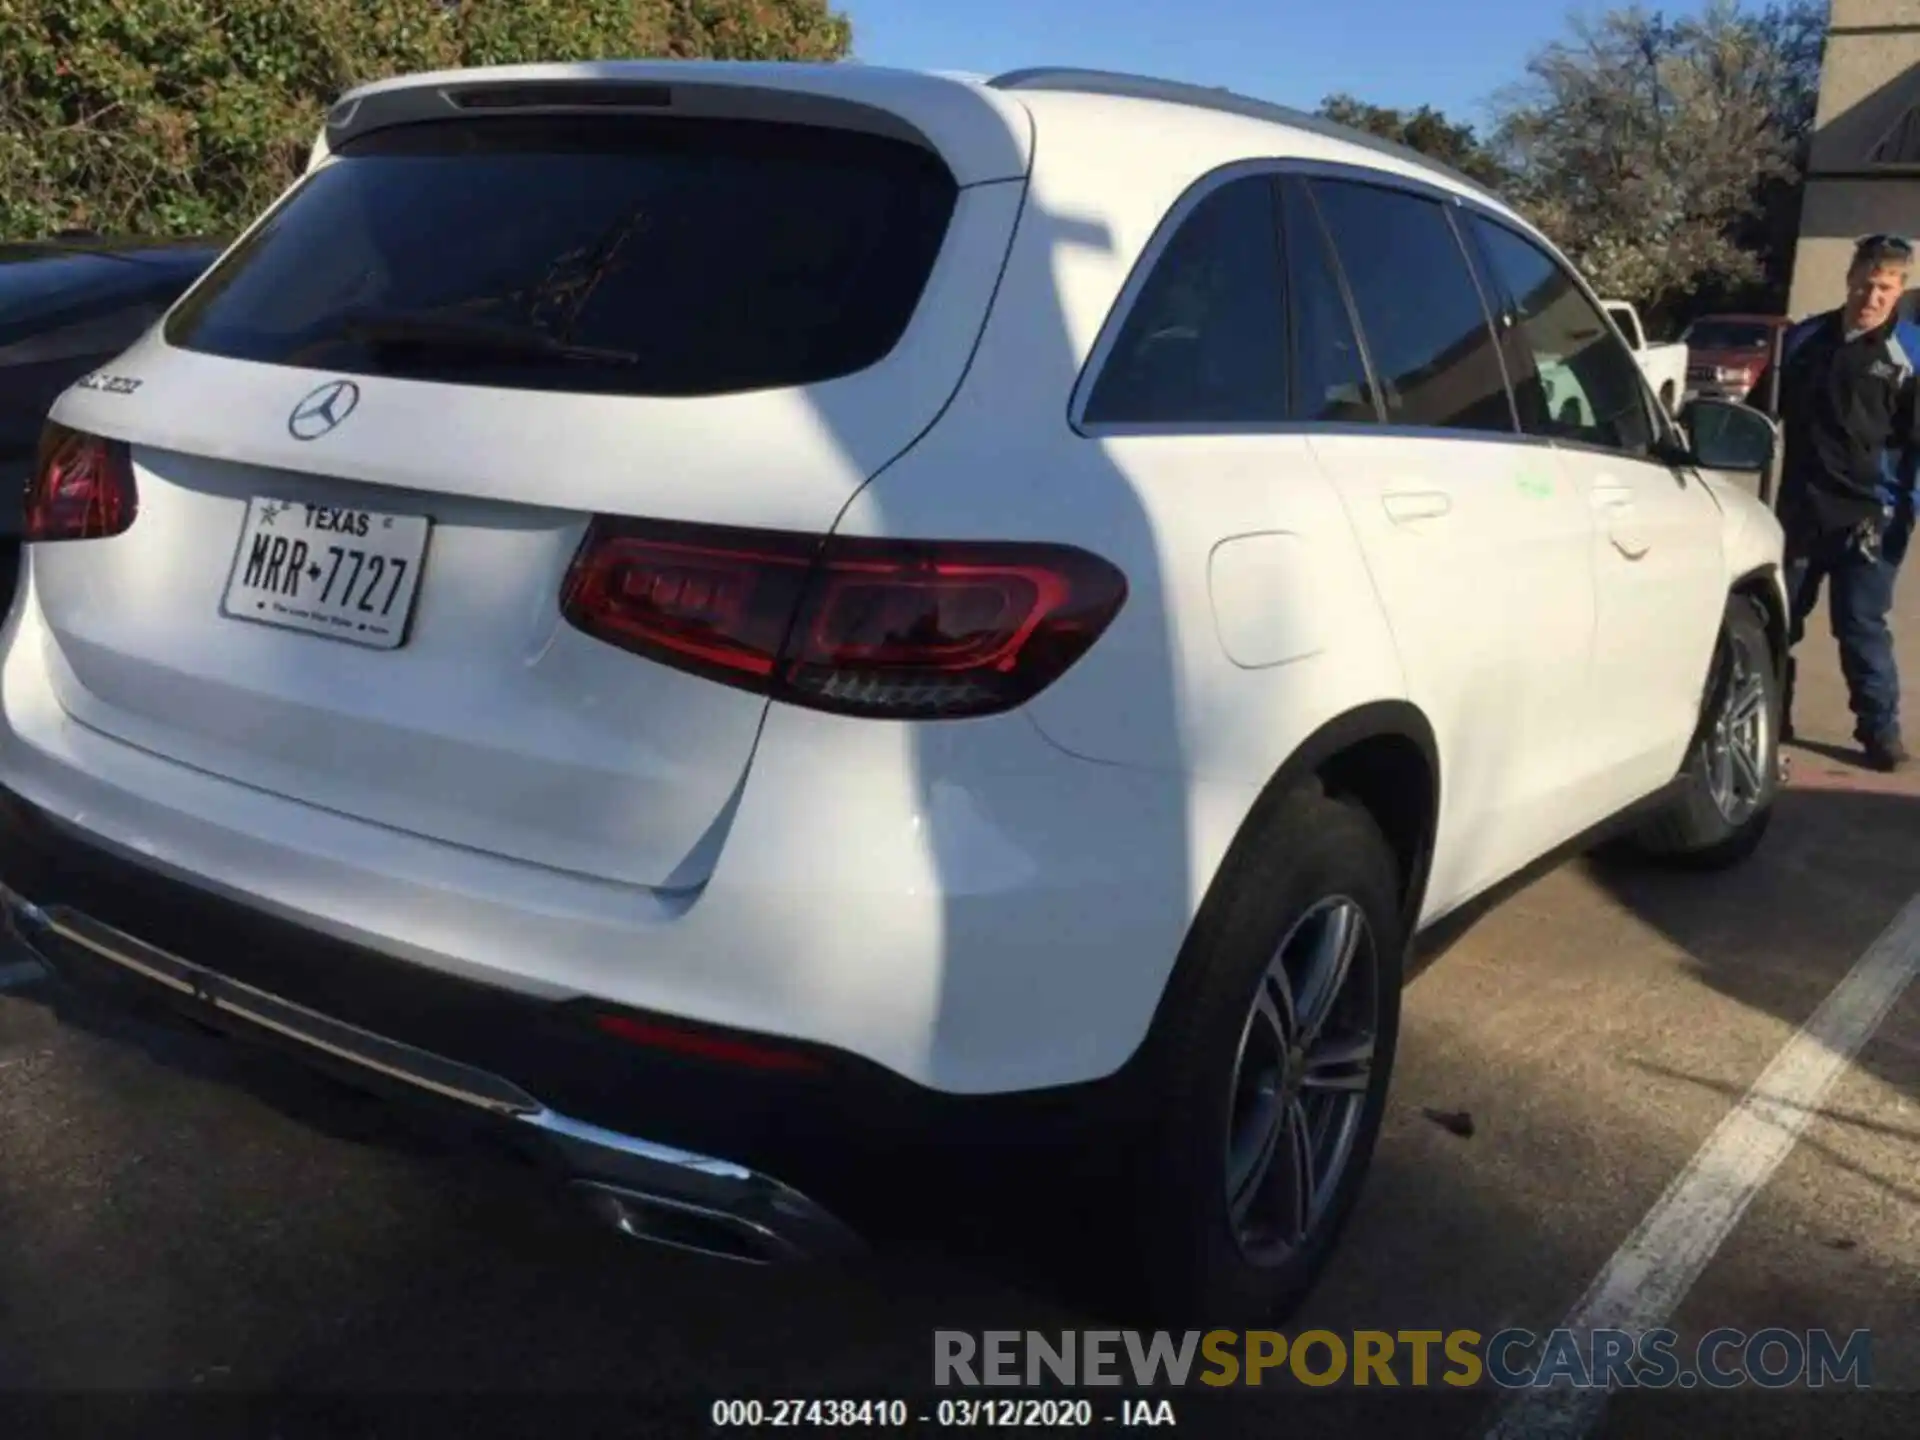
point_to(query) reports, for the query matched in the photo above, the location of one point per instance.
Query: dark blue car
(67, 306)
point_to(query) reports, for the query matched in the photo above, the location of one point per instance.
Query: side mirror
(1725, 435)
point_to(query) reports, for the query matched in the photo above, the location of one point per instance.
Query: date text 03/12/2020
(958, 1412)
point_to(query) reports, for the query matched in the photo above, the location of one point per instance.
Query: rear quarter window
(633, 255)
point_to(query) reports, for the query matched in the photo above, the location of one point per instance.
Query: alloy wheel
(1300, 1080)
(1741, 736)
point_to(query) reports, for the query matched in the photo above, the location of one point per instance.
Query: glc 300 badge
(108, 384)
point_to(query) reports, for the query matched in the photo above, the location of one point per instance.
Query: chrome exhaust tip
(679, 1225)
(22, 917)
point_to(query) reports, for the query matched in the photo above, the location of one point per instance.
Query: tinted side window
(1205, 340)
(1330, 382)
(1434, 353)
(1586, 386)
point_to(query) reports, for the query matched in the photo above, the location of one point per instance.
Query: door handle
(1614, 502)
(1629, 543)
(1407, 505)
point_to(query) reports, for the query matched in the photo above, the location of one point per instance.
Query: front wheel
(1732, 773)
(1273, 1080)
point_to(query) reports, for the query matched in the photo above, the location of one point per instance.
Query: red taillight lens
(688, 597)
(907, 629)
(944, 630)
(82, 488)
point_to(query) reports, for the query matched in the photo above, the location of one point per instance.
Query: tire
(1700, 829)
(1316, 860)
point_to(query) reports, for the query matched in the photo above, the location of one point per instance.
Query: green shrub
(166, 117)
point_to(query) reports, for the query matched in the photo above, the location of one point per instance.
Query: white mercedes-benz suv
(768, 627)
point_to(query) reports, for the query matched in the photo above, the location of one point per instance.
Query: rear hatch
(367, 447)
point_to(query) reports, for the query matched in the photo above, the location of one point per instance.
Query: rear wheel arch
(1383, 757)
(1349, 815)
(1380, 756)
(1390, 766)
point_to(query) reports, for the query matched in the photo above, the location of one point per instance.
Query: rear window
(1728, 335)
(639, 256)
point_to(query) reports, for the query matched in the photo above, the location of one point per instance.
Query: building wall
(1870, 79)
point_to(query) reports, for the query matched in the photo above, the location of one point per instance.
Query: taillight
(906, 629)
(82, 488)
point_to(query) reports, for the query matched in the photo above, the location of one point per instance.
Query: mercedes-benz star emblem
(323, 409)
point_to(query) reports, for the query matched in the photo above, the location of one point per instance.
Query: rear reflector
(906, 629)
(82, 488)
(707, 1047)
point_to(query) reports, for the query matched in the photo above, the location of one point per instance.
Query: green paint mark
(1538, 486)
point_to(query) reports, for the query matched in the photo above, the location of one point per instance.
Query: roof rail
(1174, 92)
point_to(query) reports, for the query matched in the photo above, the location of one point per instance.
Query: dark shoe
(1885, 753)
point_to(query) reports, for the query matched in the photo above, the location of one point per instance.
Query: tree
(189, 116)
(1648, 147)
(1427, 130)
(1797, 33)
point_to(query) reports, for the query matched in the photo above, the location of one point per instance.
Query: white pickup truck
(1664, 365)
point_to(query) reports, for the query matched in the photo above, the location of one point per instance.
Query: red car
(1726, 353)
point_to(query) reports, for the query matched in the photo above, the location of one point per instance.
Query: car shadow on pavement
(277, 1262)
(1778, 932)
(342, 1264)
(323, 1244)
(1900, 1186)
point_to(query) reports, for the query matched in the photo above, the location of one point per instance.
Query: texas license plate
(328, 570)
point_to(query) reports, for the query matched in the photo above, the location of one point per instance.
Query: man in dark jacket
(1851, 431)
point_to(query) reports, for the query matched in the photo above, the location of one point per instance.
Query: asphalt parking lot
(165, 1232)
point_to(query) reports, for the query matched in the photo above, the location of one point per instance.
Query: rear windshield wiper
(466, 335)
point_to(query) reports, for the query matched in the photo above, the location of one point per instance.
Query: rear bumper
(661, 1193)
(749, 1159)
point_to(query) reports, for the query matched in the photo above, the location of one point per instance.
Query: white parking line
(1644, 1282)
(15, 973)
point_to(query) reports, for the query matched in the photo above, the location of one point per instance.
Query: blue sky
(1454, 54)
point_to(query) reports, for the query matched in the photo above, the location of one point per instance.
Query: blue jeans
(1860, 593)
